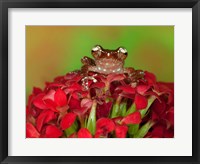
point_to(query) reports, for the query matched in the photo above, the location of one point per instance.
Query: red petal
(51, 105)
(141, 89)
(105, 125)
(129, 96)
(169, 133)
(31, 131)
(117, 120)
(74, 103)
(39, 103)
(73, 76)
(134, 118)
(158, 107)
(84, 133)
(50, 95)
(104, 110)
(121, 131)
(165, 87)
(43, 118)
(52, 132)
(73, 87)
(140, 101)
(30, 99)
(67, 120)
(60, 98)
(86, 103)
(154, 116)
(170, 115)
(59, 79)
(150, 77)
(98, 85)
(36, 91)
(115, 77)
(73, 135)
(98, 134)
(127, 89)
(157, 132)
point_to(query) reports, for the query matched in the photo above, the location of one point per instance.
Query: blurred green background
(55, 50)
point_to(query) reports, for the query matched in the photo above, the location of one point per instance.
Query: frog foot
(136, 76)
(85, 81)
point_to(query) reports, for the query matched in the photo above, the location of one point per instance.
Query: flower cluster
(106, 106)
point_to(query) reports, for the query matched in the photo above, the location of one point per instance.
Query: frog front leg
(133, 74)
(88, 65)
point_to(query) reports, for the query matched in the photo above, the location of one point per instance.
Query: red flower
(104, 110)
(52, 132)
(84, 133)
(60, 98)
(114, 77)
(51, 100)
(127, 91)
(97, 85)
(140, 101)
(170, 116)
(74, 103)
(72, 88)
(39, 103)
(67, 120)
(150, 78)
(142, 89)
(104, 126)
(36, 91)
(44, 117)
(134, 118)
(31, 131)
(161, 131)
(80, 107)
(121, 131)
(123, 107)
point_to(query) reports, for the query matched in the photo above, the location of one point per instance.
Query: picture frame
(4, 69)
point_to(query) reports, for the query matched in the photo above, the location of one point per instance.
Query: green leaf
(91, 124)
(143, 130)
(133, 129)
(73, 128)
(131, 109)
(150, 101)
(115, 110)
(123, 109)
(85, 122)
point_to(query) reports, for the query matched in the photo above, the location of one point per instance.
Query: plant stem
(91, 124)
(116, 107)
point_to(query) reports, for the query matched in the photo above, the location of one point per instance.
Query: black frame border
(6, 4)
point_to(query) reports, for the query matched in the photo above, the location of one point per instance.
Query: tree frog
(109, 61)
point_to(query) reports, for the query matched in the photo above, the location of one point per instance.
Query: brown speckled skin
(108, 61)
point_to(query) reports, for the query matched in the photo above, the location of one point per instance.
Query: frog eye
(96, 51)
(96, 48)
(123, 51)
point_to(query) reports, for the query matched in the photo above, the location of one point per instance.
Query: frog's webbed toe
(134, 75)
(129, 70)
(85, 81)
